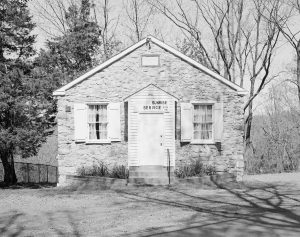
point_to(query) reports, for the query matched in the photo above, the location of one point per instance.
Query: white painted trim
(126, 99)
(203, 142)
(61, 91)
(243, 92)
(100, 102)
(106, 141)
(203, 102)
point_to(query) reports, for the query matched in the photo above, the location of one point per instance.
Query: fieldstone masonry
(127, 76)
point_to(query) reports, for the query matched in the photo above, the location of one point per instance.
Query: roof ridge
(61, 91)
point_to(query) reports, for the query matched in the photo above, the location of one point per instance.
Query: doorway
(151, 139)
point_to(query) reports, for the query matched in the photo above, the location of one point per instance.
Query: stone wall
(125, 77)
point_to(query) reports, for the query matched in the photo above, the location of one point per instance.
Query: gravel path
(268, 205)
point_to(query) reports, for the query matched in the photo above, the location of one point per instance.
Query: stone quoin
(146, 104)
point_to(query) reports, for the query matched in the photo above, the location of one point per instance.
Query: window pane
(97, 119)
(197, 127)
(209, 126)
(196, 135)
(203, 122)
(92, 131)
(208, 117)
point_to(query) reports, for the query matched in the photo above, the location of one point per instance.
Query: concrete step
(153, 175)
(150, 181)
(145, 174)
(149, 168)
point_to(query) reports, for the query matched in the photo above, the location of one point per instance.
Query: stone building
(148, 105)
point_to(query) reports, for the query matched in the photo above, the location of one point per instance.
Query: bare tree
(245, 42)
(139, 15)
(52, 16)
(224, 20)
(262, 49)
(276, 133)
(108, 25)
(285, 22)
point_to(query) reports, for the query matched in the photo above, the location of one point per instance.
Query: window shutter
(114, 122)
(186, 122)
(80, 122)
(218, 121)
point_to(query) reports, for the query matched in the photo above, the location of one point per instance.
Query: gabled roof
(147, 87)
(62, 90)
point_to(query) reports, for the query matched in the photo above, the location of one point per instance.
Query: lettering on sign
(154, 105)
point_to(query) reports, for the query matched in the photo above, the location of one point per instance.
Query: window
(202, 122)
(97, 122)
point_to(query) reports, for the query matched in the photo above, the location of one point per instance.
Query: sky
(283, 59)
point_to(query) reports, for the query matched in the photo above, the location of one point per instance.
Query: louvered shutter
(114, 122)
(186, 122)
(218, 122)
(80, 122)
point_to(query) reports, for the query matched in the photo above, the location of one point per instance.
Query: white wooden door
(151, 139)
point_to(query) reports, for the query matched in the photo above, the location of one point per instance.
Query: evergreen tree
(16, 40)
(76, 50)
(25, 111)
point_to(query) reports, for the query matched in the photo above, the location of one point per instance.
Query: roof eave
(100, 67)
(61, 91)
(58, 93)
(198, 65)
(242, 92)
(127, 98)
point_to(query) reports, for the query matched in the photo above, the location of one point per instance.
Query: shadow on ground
(251, 210)
(27, 185)
(258, 210)
(16, 224)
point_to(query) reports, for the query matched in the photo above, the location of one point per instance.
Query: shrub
(196, 168)
(275, 143)
(101, 169)
(120, 172)
(275, 134)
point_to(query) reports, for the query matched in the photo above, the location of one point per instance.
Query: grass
(153, 211)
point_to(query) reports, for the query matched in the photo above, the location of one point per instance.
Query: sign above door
(153, 106)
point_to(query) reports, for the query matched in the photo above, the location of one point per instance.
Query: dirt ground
(267, 205)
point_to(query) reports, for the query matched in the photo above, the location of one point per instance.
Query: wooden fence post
(39, 168)
(27, 172)
(47, 173)
(56, 169)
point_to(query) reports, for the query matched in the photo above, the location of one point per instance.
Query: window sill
(203, 142)
(88, 142)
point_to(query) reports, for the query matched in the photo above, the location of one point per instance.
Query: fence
(33, 173)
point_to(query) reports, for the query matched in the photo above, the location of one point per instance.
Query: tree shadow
(255, 210)
(61, 229)
(9, 226)
(61, 223)
(27, 185)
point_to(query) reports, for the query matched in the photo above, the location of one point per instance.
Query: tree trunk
(298, 69)
(10, 177)
(248, 125)
(248, 122)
